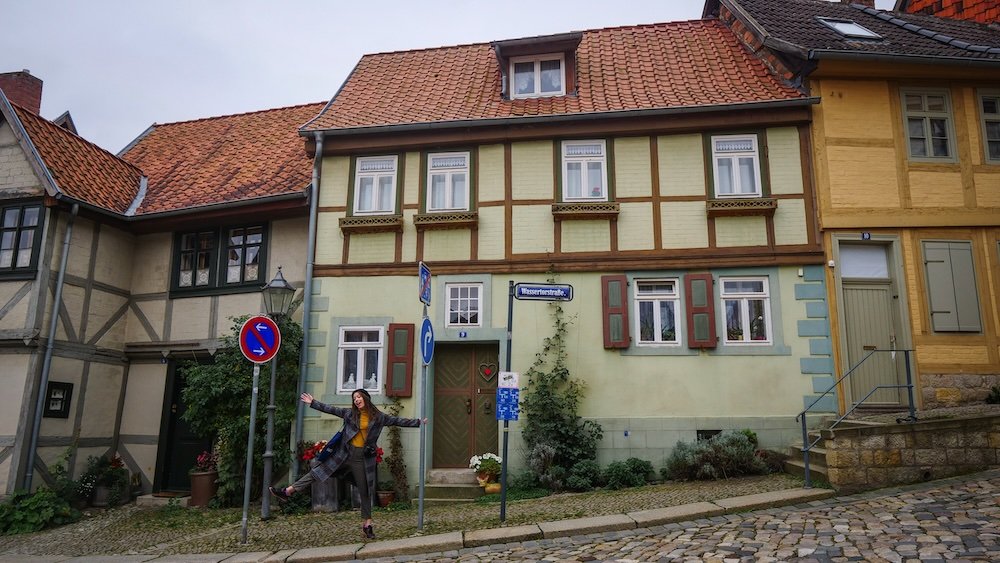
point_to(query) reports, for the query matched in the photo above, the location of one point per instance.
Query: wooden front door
(871, 319)
(181, 445)
(465, 383)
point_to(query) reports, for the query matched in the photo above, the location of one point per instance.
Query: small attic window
(849, 28)
(538, 76)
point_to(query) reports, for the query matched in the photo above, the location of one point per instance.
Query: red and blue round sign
(259, 339)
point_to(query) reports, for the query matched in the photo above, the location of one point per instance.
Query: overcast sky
(119, 66)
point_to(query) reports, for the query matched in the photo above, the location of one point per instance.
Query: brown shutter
(615, 304)
(399, 375)
(700, 311)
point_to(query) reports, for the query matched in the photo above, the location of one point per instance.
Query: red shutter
(399, 372)
(700, 311)
(614, 300)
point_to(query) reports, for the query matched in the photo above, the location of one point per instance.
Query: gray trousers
(355, 466)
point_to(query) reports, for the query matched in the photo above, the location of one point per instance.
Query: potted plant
(386, 494)
(204, 478)
(105, 481)
(487, 467)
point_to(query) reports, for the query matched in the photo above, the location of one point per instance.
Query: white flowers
(488, 462)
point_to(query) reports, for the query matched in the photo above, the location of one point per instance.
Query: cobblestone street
(950, 520)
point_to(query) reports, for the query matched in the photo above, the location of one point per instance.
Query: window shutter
(615, 305)
(700, 311)
(951, 287)
(399, 376)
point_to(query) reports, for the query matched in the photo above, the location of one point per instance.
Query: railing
(807, 446)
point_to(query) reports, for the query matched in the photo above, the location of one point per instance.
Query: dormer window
(849, 28)
(538, 76)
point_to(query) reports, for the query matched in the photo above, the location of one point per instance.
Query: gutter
(307, 300)
(47, 362)
(815, 54)
(575, 117)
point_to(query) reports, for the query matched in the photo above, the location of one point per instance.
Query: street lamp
(277, 295)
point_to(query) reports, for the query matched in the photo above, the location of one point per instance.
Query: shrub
(584, 475)
(729, 454)
(107, 472)
(775, 461)
(619, 475)
(751, 435)
(641, 467)
(25, 512)
(994, 397)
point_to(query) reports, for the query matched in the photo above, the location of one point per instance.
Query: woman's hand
(306, 398)
(423, 421)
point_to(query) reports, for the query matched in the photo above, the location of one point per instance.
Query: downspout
(307, 302)
(47, 362)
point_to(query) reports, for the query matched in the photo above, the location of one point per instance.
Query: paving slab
(493, 536)
(110, 559)
(774, 498)
(680, 513)
(201, 557)
(330, 553)
(279, 556)
(32, 558)
(407, 546)
(250, 557)
(582, 526)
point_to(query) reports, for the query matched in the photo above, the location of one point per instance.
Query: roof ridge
(240, 114)
(64, 131)
(923, 31)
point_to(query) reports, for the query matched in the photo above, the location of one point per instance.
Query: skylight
(849, 28)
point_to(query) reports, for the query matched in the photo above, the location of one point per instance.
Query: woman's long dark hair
(369, 405)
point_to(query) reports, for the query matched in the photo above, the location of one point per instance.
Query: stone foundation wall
(951, 390)
(880, 456)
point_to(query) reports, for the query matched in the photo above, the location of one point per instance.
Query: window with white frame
(736, 162)
(928, 124)
(990, 106)
(746, 310)
(657, 305)
(464, 304)
(448, 181)
(360, 359)
(533, 77)
(375, 185)
(584, 170)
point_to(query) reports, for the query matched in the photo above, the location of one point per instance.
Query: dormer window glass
(584, 171)
(375, 185)
(537, 76)
(448, 181)
(849, 28)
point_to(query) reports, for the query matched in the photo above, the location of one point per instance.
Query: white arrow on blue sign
(259, 339)
(427, 341)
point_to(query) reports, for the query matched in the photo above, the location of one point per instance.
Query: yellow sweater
(359, 438)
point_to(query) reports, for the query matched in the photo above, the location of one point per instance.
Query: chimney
(23, 89)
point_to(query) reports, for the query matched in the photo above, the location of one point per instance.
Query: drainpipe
(47, 362)
(307, 303)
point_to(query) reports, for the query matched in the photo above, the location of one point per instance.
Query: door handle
(488, 407)
(173, 409)
(468, 406)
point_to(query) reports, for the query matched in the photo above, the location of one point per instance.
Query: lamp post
(277, 295)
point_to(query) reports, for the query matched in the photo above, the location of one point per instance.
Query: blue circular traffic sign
(427, 341)
(259, 339)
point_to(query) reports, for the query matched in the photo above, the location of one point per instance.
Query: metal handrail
(807, 445)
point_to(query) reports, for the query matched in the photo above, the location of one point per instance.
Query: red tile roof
(223, 159)
(982, 11)
(81, 169)
(657, 66)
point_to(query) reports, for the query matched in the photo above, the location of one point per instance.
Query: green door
(465, 383)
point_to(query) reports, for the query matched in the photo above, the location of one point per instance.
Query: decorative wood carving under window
(585, 210)
(459, 220)
(372, 224)
(741, 207)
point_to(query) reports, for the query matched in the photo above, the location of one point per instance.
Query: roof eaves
(35, 158)
(590, 116)
(909, 59)
(303, 194)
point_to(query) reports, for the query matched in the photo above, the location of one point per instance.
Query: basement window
(849, 28)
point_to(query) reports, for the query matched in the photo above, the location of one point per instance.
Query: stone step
(817, 454)
(796, 467)
(441, 501)
(470, 492)
(451, 477)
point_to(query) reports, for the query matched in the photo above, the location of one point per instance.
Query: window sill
(372, 224)
(452, 220)
(741, 207)
(176, 293)
(585, 210)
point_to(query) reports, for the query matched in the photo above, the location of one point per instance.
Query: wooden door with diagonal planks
(465, 383)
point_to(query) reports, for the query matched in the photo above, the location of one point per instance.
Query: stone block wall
(950, 390)
(880, 456)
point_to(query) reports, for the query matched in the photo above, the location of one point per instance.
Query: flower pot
(100, 497)
(492, 488)
(483, 478)
(385, 498)
(203, 487)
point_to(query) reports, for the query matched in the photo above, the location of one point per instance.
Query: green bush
(641, 467)
(25, 512)
(584, 475)
(994, 397)
(619, 475)
(775, 461)
(751, 435)
(729, 454)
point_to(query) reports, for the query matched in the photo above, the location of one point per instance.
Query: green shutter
(951, 287)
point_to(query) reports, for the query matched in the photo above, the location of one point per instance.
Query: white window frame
(744, 298)
(453, 301)
(584, 161)
(734, 157)
(449, 173)
(985, 119)
(538, 60)
(376, 176)
(656, 297)
(361, 347)
(925, 116)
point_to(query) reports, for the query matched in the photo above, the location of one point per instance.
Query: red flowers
(313, 450)
(378, 454)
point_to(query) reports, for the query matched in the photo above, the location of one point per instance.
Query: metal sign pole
(506, 423)
(249, 466)
(423, 441)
